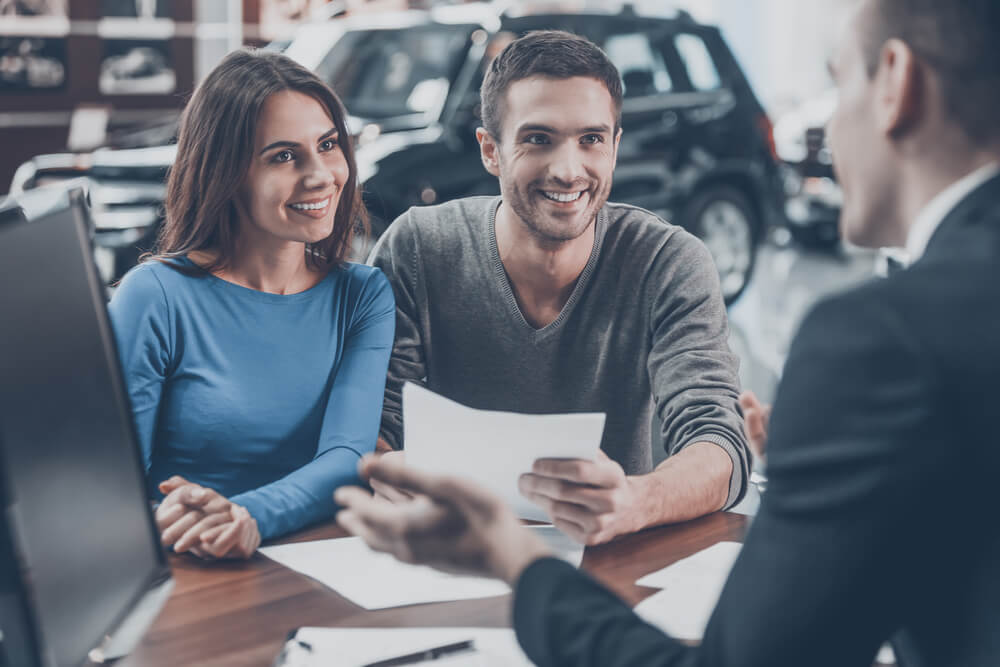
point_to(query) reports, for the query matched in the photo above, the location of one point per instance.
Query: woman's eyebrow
(292, 144)
(278, 144)
(326, 135)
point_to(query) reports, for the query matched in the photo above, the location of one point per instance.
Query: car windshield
(386, 73)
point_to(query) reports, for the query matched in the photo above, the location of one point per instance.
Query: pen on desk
(427, 654)
(291, 645)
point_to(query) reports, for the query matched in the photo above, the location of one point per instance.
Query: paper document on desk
(489, 447)
(376, 580)
(352, 647)
(691, 589)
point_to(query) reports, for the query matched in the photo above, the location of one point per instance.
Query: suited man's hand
(387, 491)
(449, 523)
(756, 416)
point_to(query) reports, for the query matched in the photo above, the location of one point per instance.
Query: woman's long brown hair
(214, 148)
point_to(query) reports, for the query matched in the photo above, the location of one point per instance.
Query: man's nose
(567, 166)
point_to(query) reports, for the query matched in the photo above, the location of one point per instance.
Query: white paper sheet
(691, 589)
(492, 448)
(352, 647)
(750, 504)
(560, 543)
(886, 656)
(375, 580)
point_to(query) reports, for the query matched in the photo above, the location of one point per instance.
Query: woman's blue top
(268, 399)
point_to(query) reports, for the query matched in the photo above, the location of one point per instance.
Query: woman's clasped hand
(198, 520)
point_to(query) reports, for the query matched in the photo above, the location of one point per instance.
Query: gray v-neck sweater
(645, 329)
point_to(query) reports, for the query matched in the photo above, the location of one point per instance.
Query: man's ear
(900, 89)
(618, 140)
(489, 151)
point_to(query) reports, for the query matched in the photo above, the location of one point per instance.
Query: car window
(642, 68)
(701, 69)
(385, 73)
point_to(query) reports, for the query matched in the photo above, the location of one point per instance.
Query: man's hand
(385, 491)
(196, 519)
(591, 501)
(756, 416)
(449, 523)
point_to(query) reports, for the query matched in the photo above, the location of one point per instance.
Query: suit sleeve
(350, 423)
(692, 371)
(397, 255)
(830, 564)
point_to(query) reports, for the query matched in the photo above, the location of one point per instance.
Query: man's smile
(562, 196)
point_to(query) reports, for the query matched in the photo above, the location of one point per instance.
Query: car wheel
(724, 220)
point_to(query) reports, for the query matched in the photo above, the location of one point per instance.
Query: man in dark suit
(879, 519)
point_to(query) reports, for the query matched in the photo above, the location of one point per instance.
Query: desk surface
(238, 613)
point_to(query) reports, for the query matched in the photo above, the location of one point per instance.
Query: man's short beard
(553, 236)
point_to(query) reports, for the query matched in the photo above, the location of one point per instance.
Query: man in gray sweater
(549, 299)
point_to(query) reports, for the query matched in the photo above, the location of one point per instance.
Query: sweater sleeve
(692, 371)
(140, 318)
(835, 558)
(396, 254)
(350, 422)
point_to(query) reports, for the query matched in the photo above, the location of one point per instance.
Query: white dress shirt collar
(937, 209)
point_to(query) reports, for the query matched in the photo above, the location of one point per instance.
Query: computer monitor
(83, 565)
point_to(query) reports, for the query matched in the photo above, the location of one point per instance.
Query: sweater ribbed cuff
(738, 479)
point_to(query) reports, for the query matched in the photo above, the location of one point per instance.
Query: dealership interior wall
(65, 76)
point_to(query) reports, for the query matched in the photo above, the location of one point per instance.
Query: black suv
(697, 147)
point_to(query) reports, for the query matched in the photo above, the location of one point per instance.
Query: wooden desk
(238, 614)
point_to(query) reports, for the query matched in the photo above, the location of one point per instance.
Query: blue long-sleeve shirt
(268, 399)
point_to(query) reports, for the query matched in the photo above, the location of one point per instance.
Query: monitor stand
(128, 634)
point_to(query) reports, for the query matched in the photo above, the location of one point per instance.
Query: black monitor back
(78, 522)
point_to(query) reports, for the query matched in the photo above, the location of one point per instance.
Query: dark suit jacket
(880, 518)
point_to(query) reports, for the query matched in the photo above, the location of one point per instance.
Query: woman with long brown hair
(255, 354)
